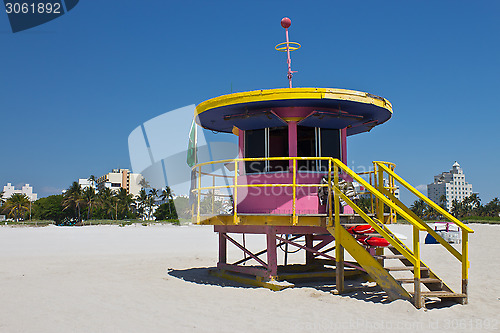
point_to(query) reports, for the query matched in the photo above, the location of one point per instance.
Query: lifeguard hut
(289, 183)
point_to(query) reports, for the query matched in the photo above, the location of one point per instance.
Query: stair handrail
(377, 194)
(465, 229)
(428, 201)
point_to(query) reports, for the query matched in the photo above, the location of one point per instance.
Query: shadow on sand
(356, 288)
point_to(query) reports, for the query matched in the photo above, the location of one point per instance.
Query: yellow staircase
(380, 266)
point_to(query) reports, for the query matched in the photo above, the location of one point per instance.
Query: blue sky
(74, 88)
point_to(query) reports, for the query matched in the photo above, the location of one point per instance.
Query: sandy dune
(155, 279)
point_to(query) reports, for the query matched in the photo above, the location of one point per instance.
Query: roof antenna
(288, 47)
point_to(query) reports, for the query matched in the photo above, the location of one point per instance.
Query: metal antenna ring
(292, 46)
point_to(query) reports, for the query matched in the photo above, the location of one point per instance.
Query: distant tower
(451, 185)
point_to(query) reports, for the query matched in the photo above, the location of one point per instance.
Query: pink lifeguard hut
(291, 183)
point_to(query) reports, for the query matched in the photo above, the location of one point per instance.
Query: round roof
(329, 108)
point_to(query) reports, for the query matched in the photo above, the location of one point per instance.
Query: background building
(9, 190)
(121, 178)
(84, 183)
(451, 185)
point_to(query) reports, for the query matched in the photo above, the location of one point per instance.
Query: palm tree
(73, 199)
(153, 194)
(443, 201)
(92, 180)
(89, 197)
(114, 205)
(493, 208)
(105, 200)
(144, 183)
(16, 205)
(428, 212)
(475, 203)
(457, 208)
(124, 202)
(166, 194)
(2, 200)
(142, 200)
(418, 207)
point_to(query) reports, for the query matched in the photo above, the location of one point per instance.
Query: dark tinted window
(314, 142)
(278, 147)
(330, 145)
(306, 147)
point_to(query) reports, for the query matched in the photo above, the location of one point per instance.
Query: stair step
(423, 280)
(390, 256)
(394, 249)
(405, 268)
(440, 294)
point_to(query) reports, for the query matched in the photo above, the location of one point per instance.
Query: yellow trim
(292, 93)
(291, 46)
(287, 119)
(258, 282)
(236, 131)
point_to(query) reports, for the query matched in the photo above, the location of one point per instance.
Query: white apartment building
(451, 184)
(121, 178)
(9, 190)
(85, 183)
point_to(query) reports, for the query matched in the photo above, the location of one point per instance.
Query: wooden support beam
(272, 258)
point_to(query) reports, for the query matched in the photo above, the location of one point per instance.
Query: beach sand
(155, 279)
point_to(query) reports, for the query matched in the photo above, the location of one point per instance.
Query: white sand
(116, 279)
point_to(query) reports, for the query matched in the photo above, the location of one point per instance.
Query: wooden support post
(380, 251)
(465, 264)
(272, 258)
(309, 255)
(222, 248)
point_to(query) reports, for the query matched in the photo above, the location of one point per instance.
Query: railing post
(294, 191)
(417, 296)
(330, 207)
(213, 193)
(395, 216)
(372, 176)
(380, 186)
(339, 250)
(235, 193)
(198, 218)
(465, 263)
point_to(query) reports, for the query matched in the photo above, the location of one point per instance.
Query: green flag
(191, 153)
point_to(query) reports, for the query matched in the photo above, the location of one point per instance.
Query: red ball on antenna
(286, 22)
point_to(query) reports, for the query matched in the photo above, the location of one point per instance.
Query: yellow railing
(462, 257)
(383, 196)
(235, 185)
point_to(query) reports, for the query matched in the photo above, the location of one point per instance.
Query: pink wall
(278, 200)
